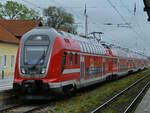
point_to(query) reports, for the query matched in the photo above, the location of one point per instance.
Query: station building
(11, 32)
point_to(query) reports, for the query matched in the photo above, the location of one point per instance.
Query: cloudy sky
(100, 12)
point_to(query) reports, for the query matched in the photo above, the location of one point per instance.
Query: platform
(6, 83)
(144, 106)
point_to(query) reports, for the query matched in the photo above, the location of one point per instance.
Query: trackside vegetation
(91, 97)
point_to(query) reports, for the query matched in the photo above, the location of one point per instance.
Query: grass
(85, 101)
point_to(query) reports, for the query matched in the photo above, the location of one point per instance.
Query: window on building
(0, 61)
(5, 60)
(70, 58)
(12, 63)
(76, 58)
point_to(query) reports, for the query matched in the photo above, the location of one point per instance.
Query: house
(10, 33)
(20, 27)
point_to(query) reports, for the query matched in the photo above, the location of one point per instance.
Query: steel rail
(35, 108)
(8, 107)
(136, 98)
(124, 90)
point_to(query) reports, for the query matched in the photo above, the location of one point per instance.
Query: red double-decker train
(51, 62)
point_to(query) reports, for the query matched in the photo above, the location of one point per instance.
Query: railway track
(22, 108)
(111, 101)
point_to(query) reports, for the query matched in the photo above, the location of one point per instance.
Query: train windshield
(35, 54)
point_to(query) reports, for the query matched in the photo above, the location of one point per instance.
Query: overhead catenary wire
(38, 7)
(50, 0)
(137, 23)
(79, 14)
(130, 12)
(109, 35)
(113, 6)
(118, 12)
(33, 4)
(122, 17)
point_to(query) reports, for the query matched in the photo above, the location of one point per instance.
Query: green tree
(1, 15)
(14, 10)
(58, 17)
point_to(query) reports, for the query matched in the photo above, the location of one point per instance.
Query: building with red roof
(10, 33)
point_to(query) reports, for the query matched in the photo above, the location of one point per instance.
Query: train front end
(32, 63)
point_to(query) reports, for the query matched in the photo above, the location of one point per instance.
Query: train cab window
(63, 61)
(76, 58)
(71, 59)
(64, 58)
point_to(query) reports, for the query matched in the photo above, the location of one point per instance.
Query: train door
(110, 65)
(107, 65)
(81, 68)
(103, 66)
(115, 65)
(118, 64)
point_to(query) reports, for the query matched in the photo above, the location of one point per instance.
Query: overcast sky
(101, 12)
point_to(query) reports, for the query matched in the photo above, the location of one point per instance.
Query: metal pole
(86, 16)
(86, 25)
(2, 74)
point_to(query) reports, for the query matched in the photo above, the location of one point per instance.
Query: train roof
(91, 45)
(86, 45)
(120, 52)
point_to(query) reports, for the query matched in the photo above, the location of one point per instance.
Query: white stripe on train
(67, 71)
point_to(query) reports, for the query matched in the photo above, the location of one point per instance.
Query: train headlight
(23, 71)
(43, 71)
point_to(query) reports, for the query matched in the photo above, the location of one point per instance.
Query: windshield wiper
(38, 61)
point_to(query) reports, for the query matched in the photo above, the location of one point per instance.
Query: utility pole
(86, 21)
(86, 25)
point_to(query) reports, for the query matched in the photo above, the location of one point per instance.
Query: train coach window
(63, 61)
(64, 58)
(70, 58)
(115, 61)
(76, 58)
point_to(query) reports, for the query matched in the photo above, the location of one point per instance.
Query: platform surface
(6, 82)
(144, 106)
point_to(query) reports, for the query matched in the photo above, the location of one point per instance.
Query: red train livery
(51, 62)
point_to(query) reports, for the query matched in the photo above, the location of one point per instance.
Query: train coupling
(31, 86)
